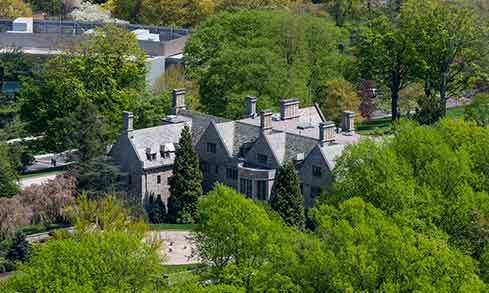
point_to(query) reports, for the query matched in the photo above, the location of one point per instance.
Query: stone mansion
(243, 154)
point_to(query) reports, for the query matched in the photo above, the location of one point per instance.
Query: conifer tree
(286, 197)
(186, 181)
(19, 248)
(160, 210)
(8, 187)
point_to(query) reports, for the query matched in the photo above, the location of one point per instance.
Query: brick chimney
(266, 120)
(326, 132)
(127, 122)
(178, 100)
(250, 107)
(289, 109)
(348, 121)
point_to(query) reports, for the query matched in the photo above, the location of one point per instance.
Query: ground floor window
(246, 187)
(315, 191)
(261, 189)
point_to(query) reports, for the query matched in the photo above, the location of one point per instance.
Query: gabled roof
(153, 138)
(331, 153)
(200, 121)
(276, 143)
(226, 133)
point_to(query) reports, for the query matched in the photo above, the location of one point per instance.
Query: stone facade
(243, 154)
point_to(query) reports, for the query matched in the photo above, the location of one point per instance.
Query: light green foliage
(478, 110)
(186, 181)
(8, 176)
(355, 247)
(107, 214)
(450, 41)
(339, 95)
(97, 261)
(14, 8)
(286, 197)
(148, 111)
(375, 253)
(432, 175)
(269, 54)
(106, 70)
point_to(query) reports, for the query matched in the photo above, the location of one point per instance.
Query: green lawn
(370, 127)
(172, 226)
(172, 269)
(456, 112)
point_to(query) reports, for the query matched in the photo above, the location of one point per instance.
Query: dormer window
(261, 158)
(211, 147)
(150, 155)
(166, 150)
(316, 171)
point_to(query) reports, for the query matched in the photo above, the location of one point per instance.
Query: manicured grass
(40, 228)
(172, 227)
(172, 269)
(456, 112)
(369, 127)
(45, 172)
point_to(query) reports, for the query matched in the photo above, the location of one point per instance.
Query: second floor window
(261, 158)
(232, 173)
(261, 189)
(211, 147)
(316, 171)
(158, 179)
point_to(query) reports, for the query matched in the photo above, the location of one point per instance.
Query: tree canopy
(269, 54)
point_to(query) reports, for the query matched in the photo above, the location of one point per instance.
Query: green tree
(286, 197)
(14, 8)
(97, 71)
(19, 248)
(51, 7)
(156, 209)
(8, 176)
(269, 54)
(186, 181)
(93, 261)
(385, 55)
(450, 40)
(478, 110)
(339, 95)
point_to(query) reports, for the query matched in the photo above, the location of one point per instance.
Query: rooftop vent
(306, 125)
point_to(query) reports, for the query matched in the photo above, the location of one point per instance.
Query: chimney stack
(266, 120)
(250, 107)
(178, 100)
(347, 121)
(289, 109)
(326, 132)
(127, 122)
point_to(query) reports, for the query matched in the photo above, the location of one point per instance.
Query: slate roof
(331, 153)
(153, 138)
(200, 122)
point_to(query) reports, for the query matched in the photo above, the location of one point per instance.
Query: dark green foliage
(429, 111)
(186, 181)
(156, 209)
(97, 177)
(51, 7)
(269, 54)
(8, 176)
(286, 197)
(148, 111)
(19, 249)
(478, 110)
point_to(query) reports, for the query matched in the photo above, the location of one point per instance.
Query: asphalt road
(42, 178)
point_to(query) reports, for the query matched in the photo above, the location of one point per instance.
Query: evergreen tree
(160, 210)
(8, 187)
(286, 197)
(186, 181)
(19, 248)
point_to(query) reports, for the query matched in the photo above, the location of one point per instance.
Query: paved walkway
(176, 246)
(25, 182)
